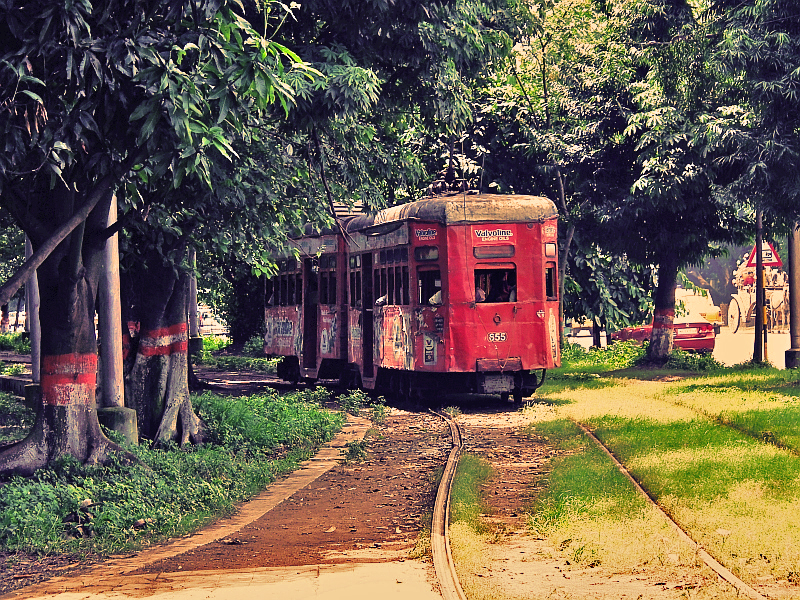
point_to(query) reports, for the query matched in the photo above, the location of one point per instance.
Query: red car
(694, 334)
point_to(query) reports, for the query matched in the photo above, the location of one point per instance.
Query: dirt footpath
(348, 528)
(369, 511)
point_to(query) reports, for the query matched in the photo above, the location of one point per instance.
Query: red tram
(456, 293)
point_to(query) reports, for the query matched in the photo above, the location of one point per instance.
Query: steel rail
(440, 541)
(722, 571)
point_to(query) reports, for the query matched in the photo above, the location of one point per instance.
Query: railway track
(723, 572)
(440, 543)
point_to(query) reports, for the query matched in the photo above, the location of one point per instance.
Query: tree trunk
(597, 330)
(157, 368)
(664, 311)
(66, 422)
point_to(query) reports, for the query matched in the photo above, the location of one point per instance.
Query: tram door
(310, 302)
(367, 312)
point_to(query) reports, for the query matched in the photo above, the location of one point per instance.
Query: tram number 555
(497, 336)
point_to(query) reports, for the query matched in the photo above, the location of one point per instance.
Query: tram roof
(462, 208)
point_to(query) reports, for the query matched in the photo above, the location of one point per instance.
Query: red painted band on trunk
(68, 379)
(663, 318)
(172, 348)
(165, 341)
(176, 329)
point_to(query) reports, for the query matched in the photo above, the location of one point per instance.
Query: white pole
(109, 313)
(32, 317)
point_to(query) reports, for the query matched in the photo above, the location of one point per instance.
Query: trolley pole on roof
(793, 353)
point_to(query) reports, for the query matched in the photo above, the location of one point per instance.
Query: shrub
(213, 343)
(71, 507)
(353, 401)
(692, 361)
(619, 355)
(16, 342)
(254, 347)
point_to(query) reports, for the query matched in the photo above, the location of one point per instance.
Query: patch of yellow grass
(642, 557)
(472, 554)
(631, 399)
(716, 401)
(622, 544)
(667, 461)
(752, 535)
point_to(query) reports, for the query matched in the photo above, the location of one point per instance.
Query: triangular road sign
(769, 257)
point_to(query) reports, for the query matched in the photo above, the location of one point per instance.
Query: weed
(16, 418)
(353, 401)
(16, 342)
(213, 343)
(240, 363)
(16, 369)
(356, 451)
(616, 356)
(692, 361)
(452, 411)
(379, 410)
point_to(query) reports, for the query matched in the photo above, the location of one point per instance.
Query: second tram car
(455, 293)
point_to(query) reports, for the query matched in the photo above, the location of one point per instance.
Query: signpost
(793, 354)
(769, 258)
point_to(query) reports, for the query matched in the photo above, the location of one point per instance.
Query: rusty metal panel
(494, 364)
(328, 334)
(283, 331)
(393, 337)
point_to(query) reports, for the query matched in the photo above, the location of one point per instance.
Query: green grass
(583, 483)
(172, 491)
(240, 363)
(466, 505)
(15, 342)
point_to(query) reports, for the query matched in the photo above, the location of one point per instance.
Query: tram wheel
(517, 396)
(734, 316)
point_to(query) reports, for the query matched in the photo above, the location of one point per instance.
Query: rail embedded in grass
(734, 494)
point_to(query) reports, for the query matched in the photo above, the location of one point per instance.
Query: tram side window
(496, 285)
(285, 289)
(298, 288)
(323, 287)
(355, 280)
(392, 282)
(327, 279)
(430, 287)
(269, 292)
(355, 288)
(550, 282)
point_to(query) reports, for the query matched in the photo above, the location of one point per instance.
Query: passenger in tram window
(502, 286)
(508, 287)
(480, 295)
(436, 299)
